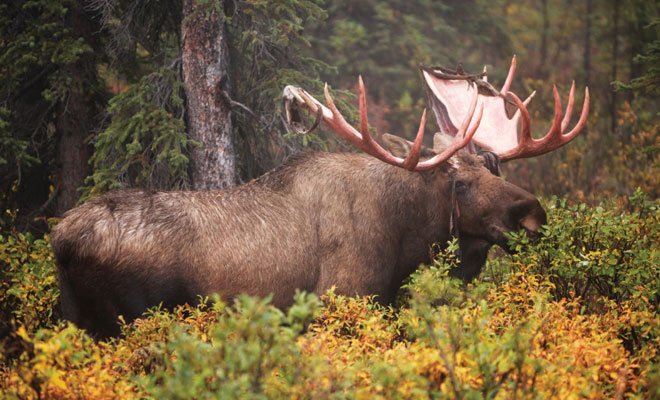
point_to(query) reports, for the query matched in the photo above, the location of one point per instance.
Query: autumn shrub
(352, 350)
(250, 352)
(604, 261)
(28, 281)
(465, 356)
(559, 319)
(604, 252)
(65, 363)
(515, 341)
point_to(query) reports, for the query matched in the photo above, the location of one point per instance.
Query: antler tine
(523, 115)
(555, 138)
(529, 98)
(413, 157)
(554, 134)
(569, 108)
(364, 119)
(509, 77)
(583, 118)
(526, 130)
(468, 117)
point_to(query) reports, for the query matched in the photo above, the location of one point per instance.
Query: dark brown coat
(320, 220)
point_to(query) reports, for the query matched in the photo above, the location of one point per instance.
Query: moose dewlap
(359, 222)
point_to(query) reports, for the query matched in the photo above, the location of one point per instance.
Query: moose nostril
(530, 223)
(532, 234)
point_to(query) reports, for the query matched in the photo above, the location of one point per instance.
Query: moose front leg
(473, 257)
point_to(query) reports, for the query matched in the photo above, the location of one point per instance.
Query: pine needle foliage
(145, 143)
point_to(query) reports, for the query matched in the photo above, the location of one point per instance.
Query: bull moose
(361, 222)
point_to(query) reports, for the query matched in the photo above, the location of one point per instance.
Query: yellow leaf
(57, 381)
(22, 333)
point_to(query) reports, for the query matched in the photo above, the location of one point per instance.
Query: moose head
(491, 207)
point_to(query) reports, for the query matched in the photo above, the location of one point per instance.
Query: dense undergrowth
(574, 315)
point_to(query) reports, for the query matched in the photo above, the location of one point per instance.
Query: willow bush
(574, 314)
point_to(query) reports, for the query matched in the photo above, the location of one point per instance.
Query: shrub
(484, 341)
(250, 352)
(605, 252)
(529, 329)
(64, 363)
(28, 281)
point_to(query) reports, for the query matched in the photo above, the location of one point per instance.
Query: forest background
(102, 94)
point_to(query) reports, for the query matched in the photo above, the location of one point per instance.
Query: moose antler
(363, 140)
(556, 136)
(499, 132)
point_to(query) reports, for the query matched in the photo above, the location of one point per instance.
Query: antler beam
(363, 140)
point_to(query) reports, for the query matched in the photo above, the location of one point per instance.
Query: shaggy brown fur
(320, 220)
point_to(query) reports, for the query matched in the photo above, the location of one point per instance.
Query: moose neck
(418, 204)
(378, 218)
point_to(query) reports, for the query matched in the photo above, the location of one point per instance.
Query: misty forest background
(103, 94)
(185, 94)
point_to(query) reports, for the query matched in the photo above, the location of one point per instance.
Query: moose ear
(491, 161)
(441, 141)
(400, 147)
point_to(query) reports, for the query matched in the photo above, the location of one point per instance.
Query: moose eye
(462, 185)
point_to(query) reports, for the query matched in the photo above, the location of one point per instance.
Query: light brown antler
(363, 140)
(499, 132)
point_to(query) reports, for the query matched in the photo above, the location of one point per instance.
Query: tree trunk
(615, 58)
(543, 59)
(205, 64)
(587, 51)
(72, 152)
(638, 38)
(76, 116)
(587, 43)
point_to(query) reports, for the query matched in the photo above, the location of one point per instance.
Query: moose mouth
(501, 239)
(497, 235)
(530, 224)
